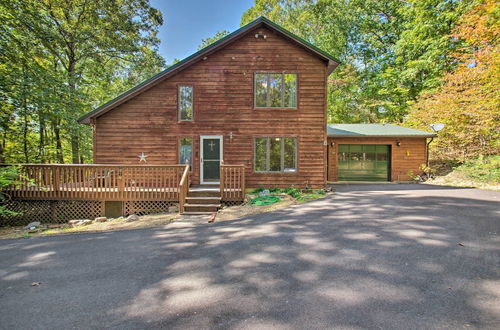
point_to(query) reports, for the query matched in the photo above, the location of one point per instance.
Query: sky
(187, 22)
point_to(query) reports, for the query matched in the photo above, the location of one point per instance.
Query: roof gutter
(430, 135)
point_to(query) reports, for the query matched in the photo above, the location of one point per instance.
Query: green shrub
(483, 169)
(9, 175)
(294, 192)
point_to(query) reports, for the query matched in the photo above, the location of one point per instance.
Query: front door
(211, 155)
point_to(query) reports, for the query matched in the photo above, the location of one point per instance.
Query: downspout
(427, 156)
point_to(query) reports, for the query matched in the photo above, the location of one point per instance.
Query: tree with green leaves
(89, 51)
(208, 41)
(468, 102)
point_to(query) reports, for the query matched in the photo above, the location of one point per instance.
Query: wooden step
(203, 200)
(201, 207)
(197, 213)
(203, 193)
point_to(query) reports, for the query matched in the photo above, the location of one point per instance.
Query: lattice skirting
(232, 203)
(146, 207)
(50, 211)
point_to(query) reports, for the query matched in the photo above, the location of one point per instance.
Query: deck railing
(99, 182)
(232, 182)
(183, 188)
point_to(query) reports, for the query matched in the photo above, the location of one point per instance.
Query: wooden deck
(99, 182)
(118, 182)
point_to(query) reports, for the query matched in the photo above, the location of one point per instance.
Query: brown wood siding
(405, 160)
(223, 103)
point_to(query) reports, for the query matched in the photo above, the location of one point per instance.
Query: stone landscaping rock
(101, 219)
(74, 223)
(32, 225)
(173, 209)
(85, 222)
(132, 217)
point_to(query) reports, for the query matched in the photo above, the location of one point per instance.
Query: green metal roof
(332, 64)
(374, 130)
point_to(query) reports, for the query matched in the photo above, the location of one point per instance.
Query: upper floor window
(275, 90)
(185, 103)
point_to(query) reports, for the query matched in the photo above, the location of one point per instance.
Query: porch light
(398, 143)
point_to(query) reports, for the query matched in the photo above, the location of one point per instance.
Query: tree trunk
(41, 143)
(2, 148)
(25, 131)
(75, 149)
(57, 134)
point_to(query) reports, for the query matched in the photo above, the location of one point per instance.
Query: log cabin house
(247, 111)
(255, 98)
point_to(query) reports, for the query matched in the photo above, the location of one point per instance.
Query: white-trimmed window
(186, 151)
(275, 154)
(275, 90)
(186, 104)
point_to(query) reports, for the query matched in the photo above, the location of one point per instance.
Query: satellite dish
(437, 127)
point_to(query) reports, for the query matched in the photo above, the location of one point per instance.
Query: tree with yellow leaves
(469, 100)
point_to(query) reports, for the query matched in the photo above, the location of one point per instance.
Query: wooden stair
(202, 200)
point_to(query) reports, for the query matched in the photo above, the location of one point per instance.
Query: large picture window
(185, 103)
(186, 151)
(275, 154)
(275, 90)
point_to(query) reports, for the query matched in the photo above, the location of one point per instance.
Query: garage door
(364, 162)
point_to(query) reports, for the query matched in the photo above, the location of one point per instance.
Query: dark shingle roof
(373, 130)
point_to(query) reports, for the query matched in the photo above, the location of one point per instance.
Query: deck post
(221, 179)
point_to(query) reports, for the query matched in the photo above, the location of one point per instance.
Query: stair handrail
(183, 188)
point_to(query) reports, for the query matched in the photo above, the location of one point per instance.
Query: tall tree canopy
(391, 50)
(208, 41)
(469, 100)
(61, 59)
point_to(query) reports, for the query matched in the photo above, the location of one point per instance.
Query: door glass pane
(343, 147)
(185, 151)
(211, 149)
(382, 152)
(275, 89)
(211, 159)
(275, 154)
(211, 170)
(186, 102)
(290, 90)
(290, 154)
(260, 154)
(261, 90)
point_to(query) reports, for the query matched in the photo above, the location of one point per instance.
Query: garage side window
(275, 154)
(275, 90)
(185, 103)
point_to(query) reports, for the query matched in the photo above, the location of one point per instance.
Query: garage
(364, 162)
(375, 152)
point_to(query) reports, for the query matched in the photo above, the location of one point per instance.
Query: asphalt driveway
(370, 256)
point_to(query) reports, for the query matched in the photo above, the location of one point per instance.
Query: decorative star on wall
(142, 157)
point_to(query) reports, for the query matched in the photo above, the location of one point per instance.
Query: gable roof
(259, 22)
(374, 130)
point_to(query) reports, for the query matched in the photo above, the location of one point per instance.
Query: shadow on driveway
(370, 256)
